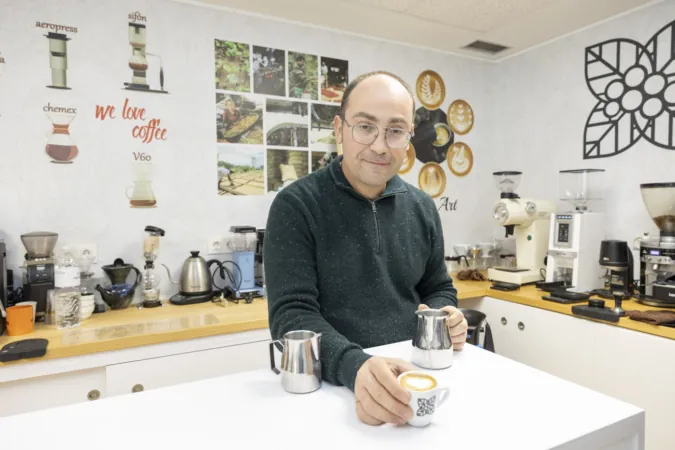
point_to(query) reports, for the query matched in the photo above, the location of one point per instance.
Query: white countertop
(495, 403)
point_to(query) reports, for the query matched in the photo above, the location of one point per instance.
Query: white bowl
(86, 312)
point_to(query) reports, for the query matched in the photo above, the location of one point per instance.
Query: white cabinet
(153, 373)
(638, 368)
(141, 368)
(555, 343)
(32, 394)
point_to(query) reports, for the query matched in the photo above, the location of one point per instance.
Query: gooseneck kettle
(195, 276)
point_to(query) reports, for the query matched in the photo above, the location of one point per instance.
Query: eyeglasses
(366, 134)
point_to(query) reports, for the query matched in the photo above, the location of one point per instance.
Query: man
(231, 114)
(353, 251)
(298, 80)
(222, 173)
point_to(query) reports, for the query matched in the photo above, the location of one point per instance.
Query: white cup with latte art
(425, 396)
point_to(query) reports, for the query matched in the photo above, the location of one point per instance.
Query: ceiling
(446, 25)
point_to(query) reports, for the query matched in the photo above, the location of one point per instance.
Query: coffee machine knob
(655, 267)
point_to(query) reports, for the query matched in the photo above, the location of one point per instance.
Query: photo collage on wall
(435, 144)
(274, 115)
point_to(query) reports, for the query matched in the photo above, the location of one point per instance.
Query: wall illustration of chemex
(635, 88)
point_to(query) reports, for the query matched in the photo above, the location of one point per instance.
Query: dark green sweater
(350, 268)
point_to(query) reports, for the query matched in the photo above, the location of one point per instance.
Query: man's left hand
(456, 323)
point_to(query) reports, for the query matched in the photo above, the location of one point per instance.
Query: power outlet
(217, 245)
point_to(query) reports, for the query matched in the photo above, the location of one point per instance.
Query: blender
(38, 277)
(657, 252)
(529, 220)
(576, 232)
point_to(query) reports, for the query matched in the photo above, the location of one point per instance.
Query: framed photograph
(285, 167)
(287, 123)
(334, 79)
(322, 134)
(239, 119)
(241, 170)
(269, 71)
(232, 66)
(303, 76)
(322, 159)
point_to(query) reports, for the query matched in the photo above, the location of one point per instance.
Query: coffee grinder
(243, 242)
(38, 277)
(138, 62)
(575, 233)
(530, 220)
(617, 259)
(657, 253)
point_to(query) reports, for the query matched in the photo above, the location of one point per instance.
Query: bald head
(394, 82)
(374, 127)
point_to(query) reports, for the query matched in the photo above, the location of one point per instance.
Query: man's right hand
(379, 396)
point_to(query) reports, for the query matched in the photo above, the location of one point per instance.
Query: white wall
(542, 108)
(85, 201)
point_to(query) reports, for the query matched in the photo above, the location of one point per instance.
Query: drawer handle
(504, 322)
(521, 326)
(137, 388)
(94, 395)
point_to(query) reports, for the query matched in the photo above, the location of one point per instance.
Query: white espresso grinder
(577, 233)
(529, 219)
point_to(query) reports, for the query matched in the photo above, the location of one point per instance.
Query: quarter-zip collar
(394, 186)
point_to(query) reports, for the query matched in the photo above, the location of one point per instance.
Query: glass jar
(66, 301)
(150, 285)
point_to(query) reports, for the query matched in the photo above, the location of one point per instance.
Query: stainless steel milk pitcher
(432, 346)
(300, 361)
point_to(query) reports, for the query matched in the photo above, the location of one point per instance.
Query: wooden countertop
(531, 296)
(131, 327)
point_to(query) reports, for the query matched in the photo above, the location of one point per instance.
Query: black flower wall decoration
(635, 88)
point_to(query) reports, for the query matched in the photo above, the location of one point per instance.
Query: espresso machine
(657, 252)
(530, 220)
(575, 233)
(138, 62)
(38, 277)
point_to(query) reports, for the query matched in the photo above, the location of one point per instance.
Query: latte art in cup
(425, 396)
(419, 382)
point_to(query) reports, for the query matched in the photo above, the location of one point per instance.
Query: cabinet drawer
(153, 373)
(33, 394)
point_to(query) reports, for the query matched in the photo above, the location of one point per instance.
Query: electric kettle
(195, 276)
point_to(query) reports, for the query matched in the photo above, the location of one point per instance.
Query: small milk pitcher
(300, 361)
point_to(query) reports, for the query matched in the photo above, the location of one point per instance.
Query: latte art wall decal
(635, 88)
